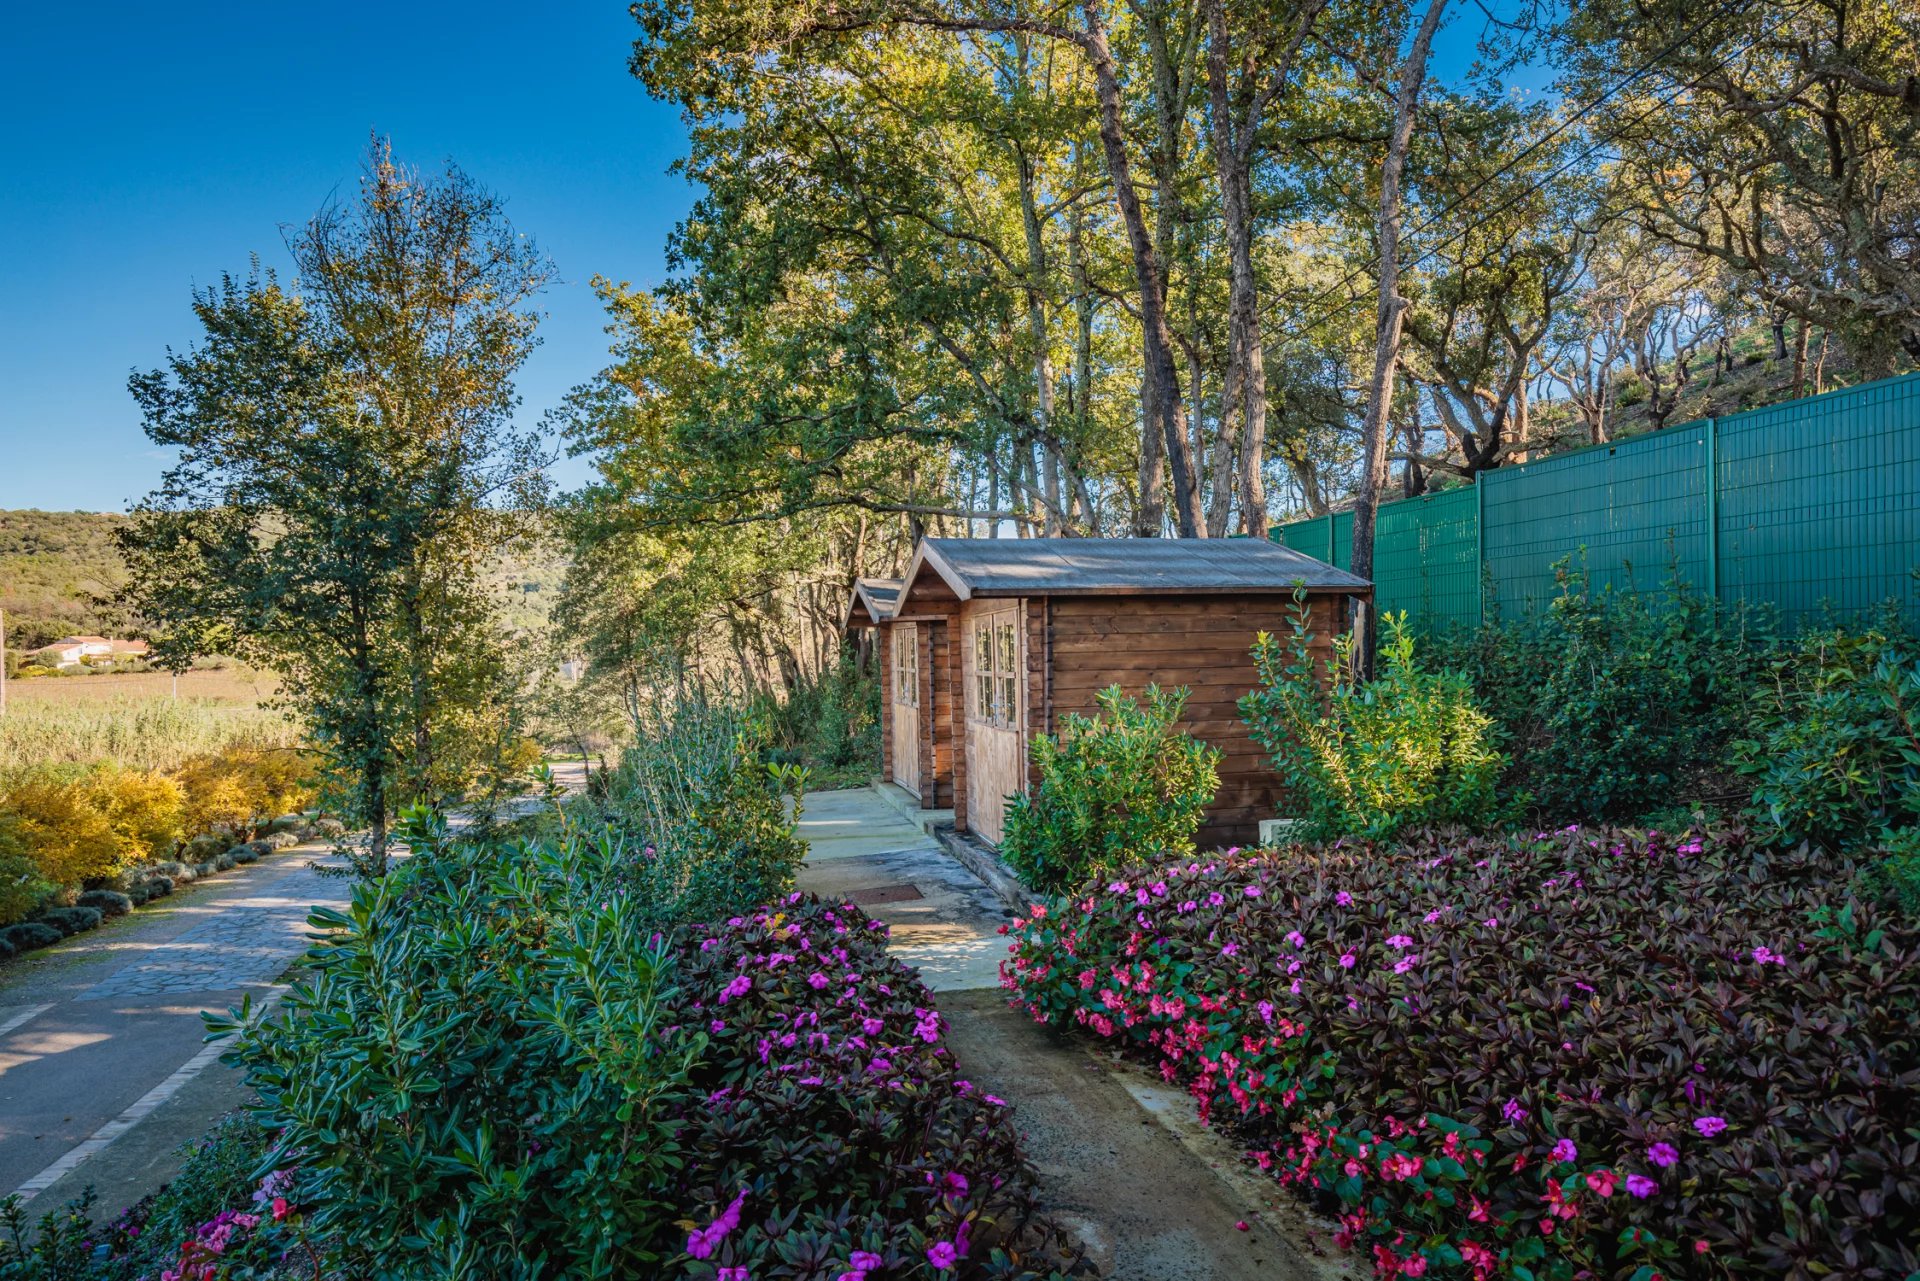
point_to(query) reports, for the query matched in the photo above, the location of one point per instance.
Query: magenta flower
(1641, 1186)
(1709, 1126)
(1253, 891)
(1663, 1155)
(1564, 1150)
(703, 1243)
(1406, 963)
(1344, 899)
(1400, 941)
(1513, 1111)
(1296, 938)
(1347, 960)
(734, 1274)
(942, 1255)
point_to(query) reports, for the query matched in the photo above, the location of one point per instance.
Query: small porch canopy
(873, 602)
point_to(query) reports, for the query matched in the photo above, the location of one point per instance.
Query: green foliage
(1410, 747)
(1833, 751)
(479, 1075)
(694, 794)
(58, 1246)
(347, 465)
(106, 902)
(1611, 703)
(829, 723)
(54, 569)
(1120, 787)
(23, 888)
(71, 920)
(1897, 875)
(28, 935)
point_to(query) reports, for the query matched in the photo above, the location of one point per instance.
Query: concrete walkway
(1152, 1196)
(103, 1071)
(99, 1034)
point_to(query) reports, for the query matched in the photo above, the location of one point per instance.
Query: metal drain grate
(901, 893)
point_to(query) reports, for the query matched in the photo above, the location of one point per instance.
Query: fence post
(1480, 542)
(1330, 559)
(1713, 509)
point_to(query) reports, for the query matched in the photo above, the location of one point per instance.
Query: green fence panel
(1629, 513)
(1810, 507)
(1424, 558)
(1820, 502)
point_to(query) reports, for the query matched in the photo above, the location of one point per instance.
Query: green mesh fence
(1809, 507)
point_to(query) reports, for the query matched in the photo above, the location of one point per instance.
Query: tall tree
(1391, 316)
(347, 462)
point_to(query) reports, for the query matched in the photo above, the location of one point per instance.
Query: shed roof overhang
(946, 570)
(873, 602)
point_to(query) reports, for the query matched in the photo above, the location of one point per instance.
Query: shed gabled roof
(873, 601)
(970, 567)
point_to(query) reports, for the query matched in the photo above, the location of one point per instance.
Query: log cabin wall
(883, 644)
(936, 732)
(1081, 645)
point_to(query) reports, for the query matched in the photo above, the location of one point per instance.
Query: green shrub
(6, 948)
(1834, 749)
(528, 1127)
(1116, 788)
(71, 920)
(106, 902)
(158, 886)
(28, 935)
(1613, 704)
(22, 887)
(829, 723)
(1408, 748)
(1896, 876)
(708, 817)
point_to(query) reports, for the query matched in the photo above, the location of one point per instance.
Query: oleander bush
(1371, 758)
(1595, 1053)
(1117, 787)
(714, 823)
(581, 1095)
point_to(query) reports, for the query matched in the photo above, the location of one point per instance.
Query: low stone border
(971, 854)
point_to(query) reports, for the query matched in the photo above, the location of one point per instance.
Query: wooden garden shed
(986, 642)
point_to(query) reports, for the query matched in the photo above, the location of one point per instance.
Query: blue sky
(151, 147)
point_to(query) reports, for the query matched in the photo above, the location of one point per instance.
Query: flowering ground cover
(1589, 1053)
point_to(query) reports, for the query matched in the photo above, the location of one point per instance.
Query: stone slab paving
(257, 932)
(96, 1025)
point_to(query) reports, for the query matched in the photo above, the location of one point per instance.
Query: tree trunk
(1160, 396)
(1392, 313)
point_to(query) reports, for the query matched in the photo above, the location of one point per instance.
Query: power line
(1358, 272)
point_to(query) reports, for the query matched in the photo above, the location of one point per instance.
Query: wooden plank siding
(883, 643)
(1202, 643)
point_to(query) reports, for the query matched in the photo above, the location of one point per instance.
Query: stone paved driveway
(99, 1028)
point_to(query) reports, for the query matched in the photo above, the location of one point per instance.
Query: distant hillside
(52, 566)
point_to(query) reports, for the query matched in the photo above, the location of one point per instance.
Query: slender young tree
(347, 462)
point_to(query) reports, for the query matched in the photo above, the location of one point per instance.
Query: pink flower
(1513, 1112)
(1347, 961)
(1709, 1126)
(1663, 1155)
(1400, 941)
(1253, 891)
(1640, 1186)
(733, 1274)
(703, 1243)
(1296, 938)
(280, 1208)
(1344, 899)
(942, 1255)
(1405, 963)
(1565, 1151)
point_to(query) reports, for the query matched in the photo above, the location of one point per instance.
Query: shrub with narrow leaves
(1588, 1053)
(1371, 757)
(1115, 788)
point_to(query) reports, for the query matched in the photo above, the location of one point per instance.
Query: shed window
(996, 657)
(906, 667)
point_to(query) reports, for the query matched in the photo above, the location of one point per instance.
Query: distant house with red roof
(76, 651)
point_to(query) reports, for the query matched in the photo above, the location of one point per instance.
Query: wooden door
(996, 742)
(906, 706)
